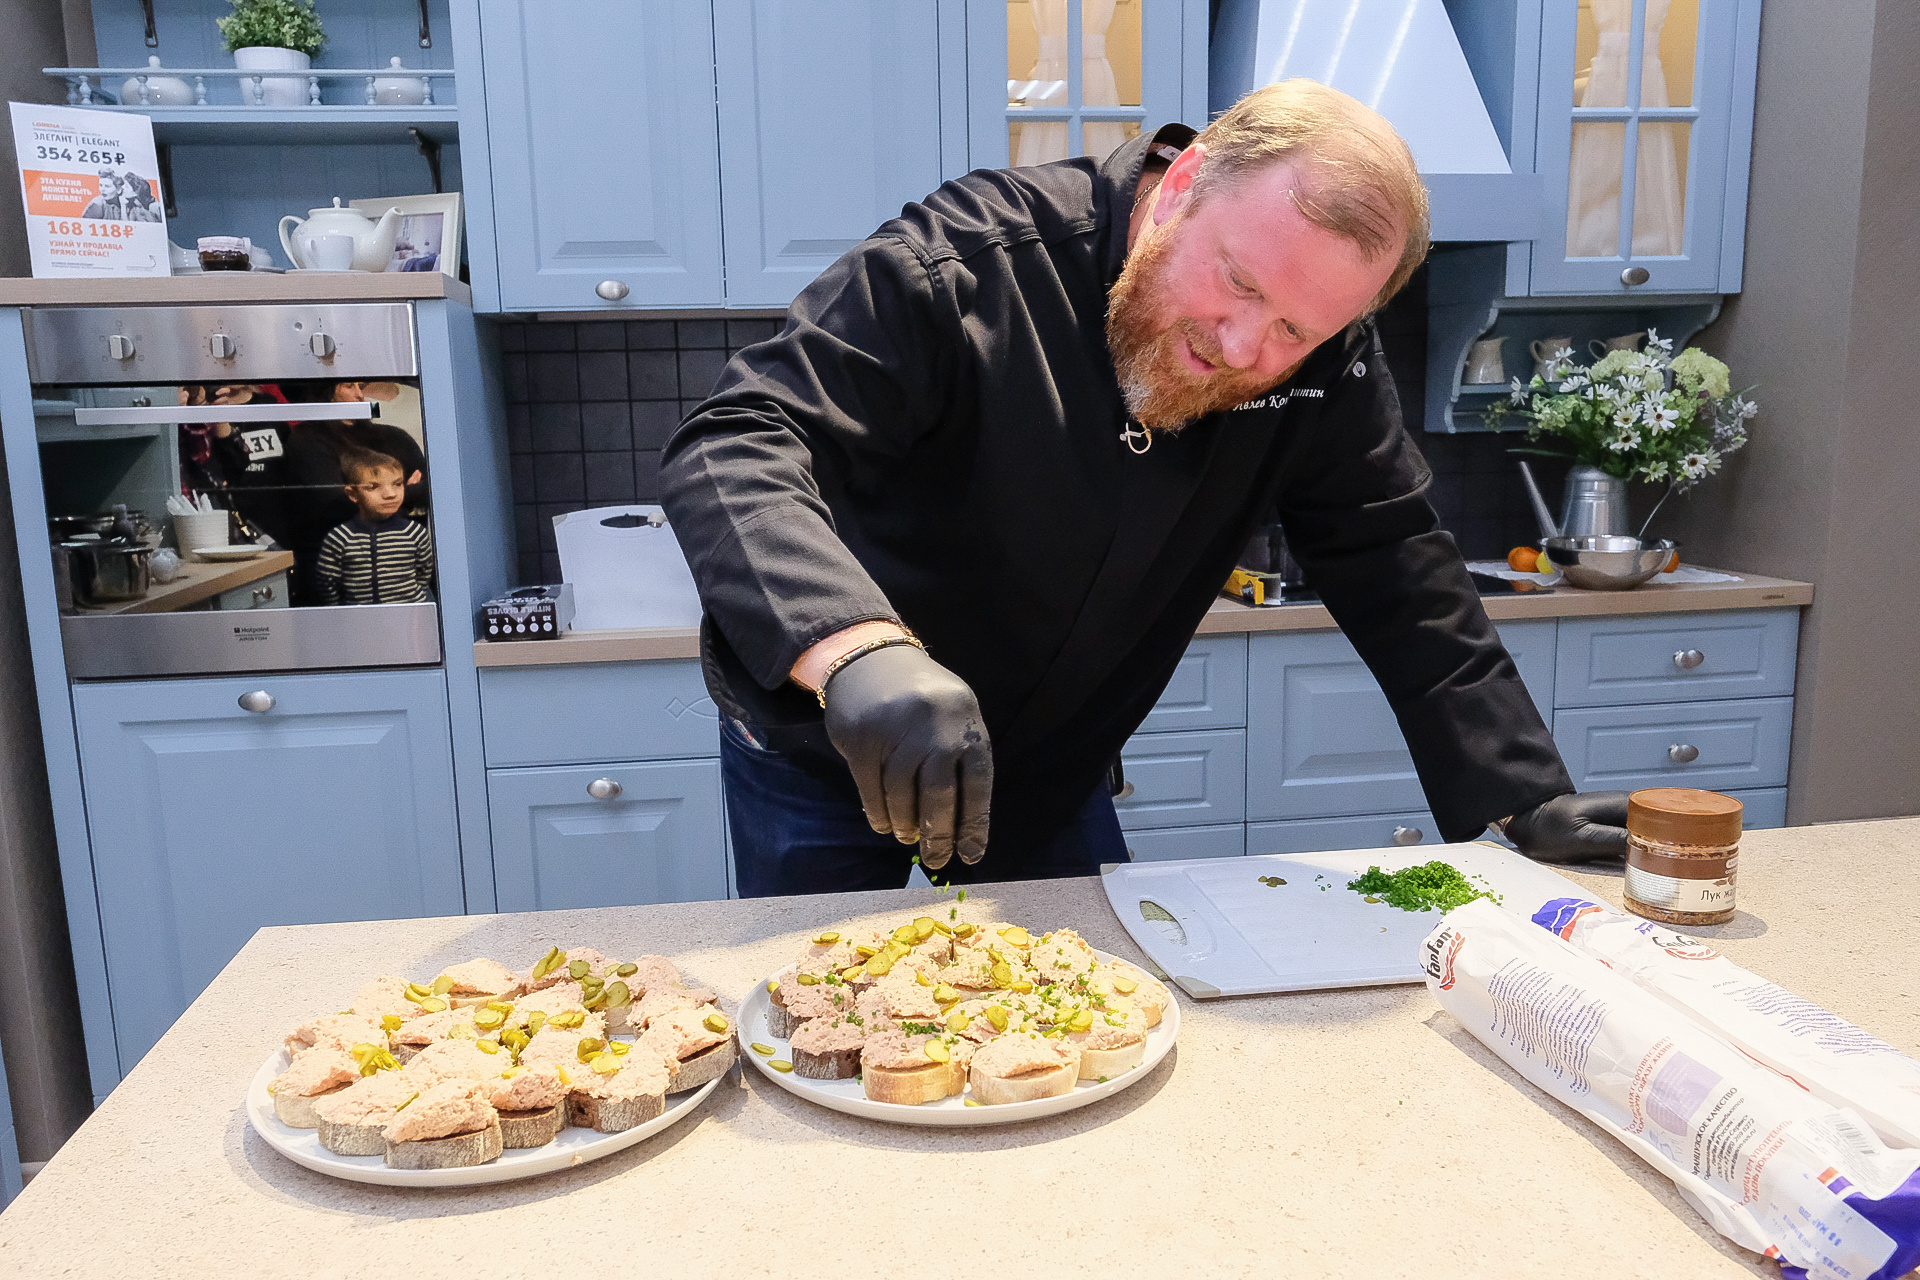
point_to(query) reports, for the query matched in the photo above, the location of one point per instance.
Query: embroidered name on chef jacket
(1278, 400)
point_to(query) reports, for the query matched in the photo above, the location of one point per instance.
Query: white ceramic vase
(272, 91)
(160, 91)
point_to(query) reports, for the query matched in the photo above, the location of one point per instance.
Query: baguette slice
(709, 1064)
(458, 1151)
(1026, 1087)
(520, 1130)
(297, 1111)
(1105, 1064)
(613, 1115)
(913, 1085)
(354, 1139)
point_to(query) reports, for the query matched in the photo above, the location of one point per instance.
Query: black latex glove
(912, 733)
(1587, 826)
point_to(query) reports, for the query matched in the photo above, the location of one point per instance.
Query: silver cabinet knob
(1408, 835)
(612, 290)
(321, 344)
(1633, 275)
(220, 346)
(119, 346)
(259, 702)
(1125, 791)
(261, 595)
(1688, 659)
(1683, 753)
(604, 789)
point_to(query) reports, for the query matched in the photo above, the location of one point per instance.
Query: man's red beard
(1161, 391)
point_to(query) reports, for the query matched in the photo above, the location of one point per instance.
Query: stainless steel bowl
(1607, 562)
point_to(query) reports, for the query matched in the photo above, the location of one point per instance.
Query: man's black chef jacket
(936, 437)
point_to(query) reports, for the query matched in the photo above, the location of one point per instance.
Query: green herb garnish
(1428, 887)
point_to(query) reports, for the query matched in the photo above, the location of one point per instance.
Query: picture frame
(430, 227)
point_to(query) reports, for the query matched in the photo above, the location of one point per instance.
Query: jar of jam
(225, 253)
(1683, 851)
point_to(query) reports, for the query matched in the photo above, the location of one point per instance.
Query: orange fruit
(1523, 560)
(1672, 564)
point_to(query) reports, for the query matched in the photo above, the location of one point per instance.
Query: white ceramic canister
(160, 91)
(273, 91)
(397, 90)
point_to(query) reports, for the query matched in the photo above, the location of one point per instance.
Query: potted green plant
(273, 35)
(1632, 415)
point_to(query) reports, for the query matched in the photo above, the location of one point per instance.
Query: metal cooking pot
(100, 524)
(107, 572)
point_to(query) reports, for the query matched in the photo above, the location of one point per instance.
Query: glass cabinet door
(1082, 76)
(1635, 103)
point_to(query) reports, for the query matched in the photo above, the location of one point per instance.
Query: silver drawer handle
(1688, 659)
(261, 595)
(1126, 790)
(1683, 753)
(1635, 275)
(612, 290)
(1408, 835)
(259, 702)
(604, 789)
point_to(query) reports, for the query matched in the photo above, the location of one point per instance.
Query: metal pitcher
(1596, 504)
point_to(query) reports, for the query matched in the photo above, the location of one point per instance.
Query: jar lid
(1681, 815)
(224, 244)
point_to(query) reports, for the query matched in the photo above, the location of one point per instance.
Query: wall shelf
(295, 126)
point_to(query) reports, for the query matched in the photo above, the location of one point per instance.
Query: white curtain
(1045, 141)
(1599, 150)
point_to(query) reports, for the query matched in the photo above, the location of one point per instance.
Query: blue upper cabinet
(605, 174)
(1643, 134)
(1051, 79)
(830, 121)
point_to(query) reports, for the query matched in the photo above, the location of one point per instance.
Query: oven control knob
(321, 344)
(119, 346)
(220, 346)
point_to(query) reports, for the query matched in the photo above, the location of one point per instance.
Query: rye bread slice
(457, 1151)
(840, 1064)
(520, 1130)
(709, 1064)
(297, 1111)
(613, 1115)
(782, 1024)
(354, 1139)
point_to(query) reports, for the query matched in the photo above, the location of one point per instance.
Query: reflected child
(381, 556)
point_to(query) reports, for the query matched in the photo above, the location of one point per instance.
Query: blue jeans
(798, 828)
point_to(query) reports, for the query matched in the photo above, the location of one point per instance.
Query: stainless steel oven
(235, 487)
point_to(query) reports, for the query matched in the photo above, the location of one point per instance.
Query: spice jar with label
(1683, 851)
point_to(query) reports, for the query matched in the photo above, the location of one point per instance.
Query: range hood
(1403, 59)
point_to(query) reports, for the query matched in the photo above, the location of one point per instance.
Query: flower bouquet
(1635, 415)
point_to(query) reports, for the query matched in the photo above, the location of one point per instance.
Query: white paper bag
(626, 568)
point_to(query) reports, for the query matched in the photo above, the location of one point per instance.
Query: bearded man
(954, 527)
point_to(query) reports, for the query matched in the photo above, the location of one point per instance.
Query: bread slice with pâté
(1022, 1066)
(353, 1121)
(312, 1075)
(451, 1125)
(910, 1064)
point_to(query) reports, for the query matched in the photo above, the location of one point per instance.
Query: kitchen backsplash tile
(590, 404)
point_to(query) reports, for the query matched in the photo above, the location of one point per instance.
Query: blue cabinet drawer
(597, 711)
(1607, 662)
(1185, 779)
(1318, 835)
(557, 846)
(1762, 810)
(1717, 746)
(1176, 844)
(1208, 689)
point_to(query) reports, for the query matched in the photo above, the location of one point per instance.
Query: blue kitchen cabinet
(1177, 844)
(1208, 689)
(209, 821)
(1369, 831)
(607, 835)
(584, 713)
(1645, 189)
(1184, 779)
(9, 1148)
(830, 121)
(1716, 746)
(605, 183)
(1607, 662)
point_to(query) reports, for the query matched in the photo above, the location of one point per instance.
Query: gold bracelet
(833, 668)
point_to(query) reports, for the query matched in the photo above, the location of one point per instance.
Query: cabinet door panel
(604, 148)
(829, 123)
(597, 711)
(659, 839)
(1614, 661)
(1177, 844)
(1738, 743)
(1318, 835)
(1762, 810)
(1184, 779)
(1208, 689)
(209, 822)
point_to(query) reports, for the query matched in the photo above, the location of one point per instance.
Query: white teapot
(372, 241)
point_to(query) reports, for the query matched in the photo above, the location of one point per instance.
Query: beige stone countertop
(1226, 617)
(232, 286)
(1345, 1134)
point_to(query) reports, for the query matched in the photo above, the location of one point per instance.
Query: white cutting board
(1231, 935)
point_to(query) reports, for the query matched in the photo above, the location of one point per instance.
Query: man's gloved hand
(912, 733)
(1584, 827)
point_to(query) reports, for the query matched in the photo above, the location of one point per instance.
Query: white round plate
(850, 1097)
(573, 1146)
(243, 551)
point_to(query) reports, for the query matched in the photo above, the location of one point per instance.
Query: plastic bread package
(1770, 1166)
(1817, 1050)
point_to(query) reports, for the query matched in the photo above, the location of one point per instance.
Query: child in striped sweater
(380, 556)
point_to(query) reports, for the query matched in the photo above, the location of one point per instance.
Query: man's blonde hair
(1363, 183)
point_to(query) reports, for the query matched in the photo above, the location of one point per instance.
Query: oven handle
(136, 415)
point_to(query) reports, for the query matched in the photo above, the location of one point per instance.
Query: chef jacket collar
(1120, 173)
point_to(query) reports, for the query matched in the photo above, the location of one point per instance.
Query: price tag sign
(89, 180)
